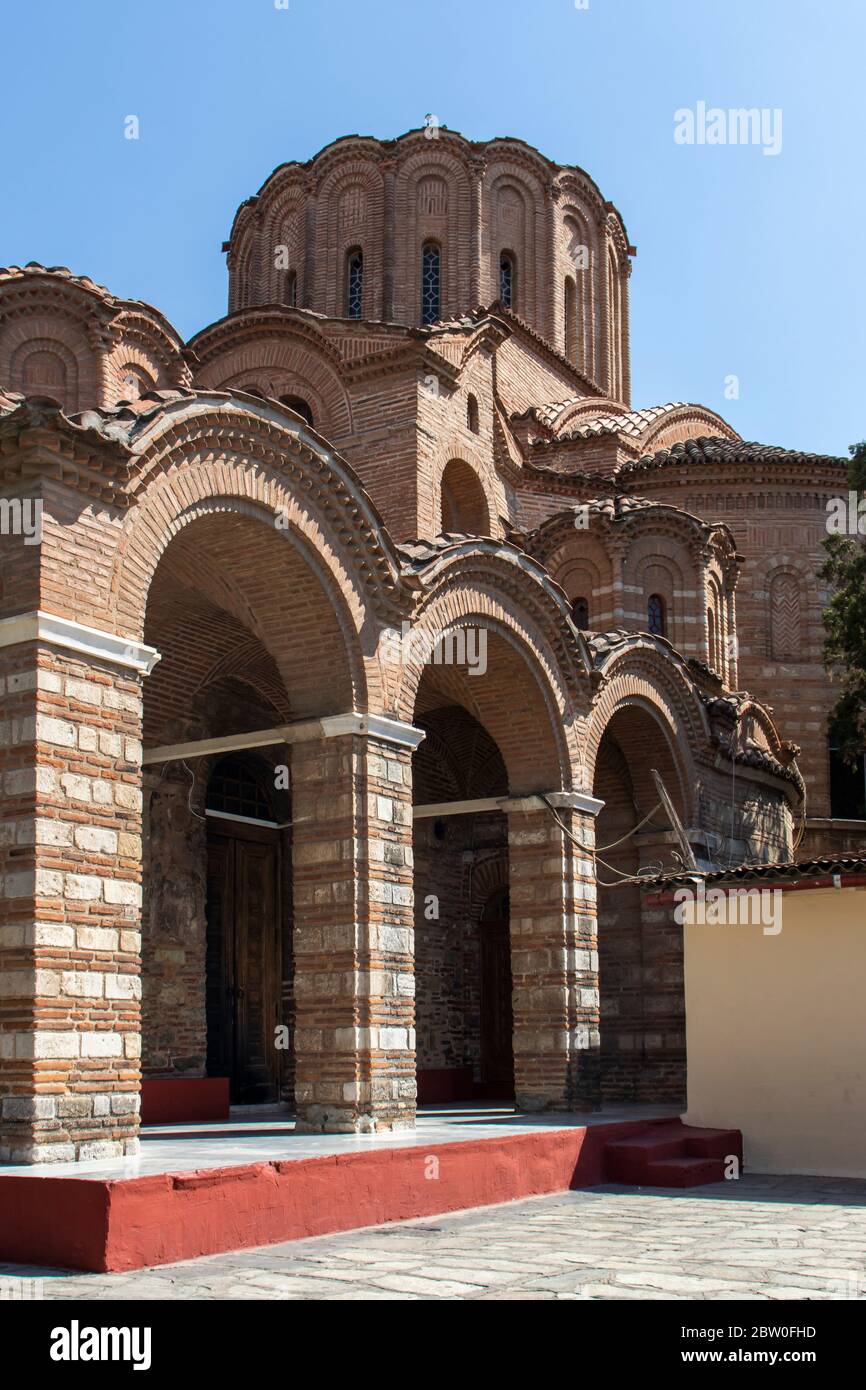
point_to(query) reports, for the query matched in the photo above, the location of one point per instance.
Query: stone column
(70, 940)
(554, 952)
(353, 928)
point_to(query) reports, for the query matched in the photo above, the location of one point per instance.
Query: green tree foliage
(845, 614)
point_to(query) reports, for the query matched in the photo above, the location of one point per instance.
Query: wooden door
(242, 970)
(497, 1016)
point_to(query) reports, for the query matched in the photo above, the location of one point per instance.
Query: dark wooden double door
(243, 959)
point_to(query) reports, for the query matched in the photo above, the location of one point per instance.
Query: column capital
(377, 726)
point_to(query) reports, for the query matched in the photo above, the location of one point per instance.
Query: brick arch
(788, 585)
(464, 506)
(450, 230)
(522, 242)
(354, 184)
(654, 564)
(283, 364)
(65, 340)
(529, 673)
(581, 564)
(143, 341)
(326, 519)
(651, 682)
(235, 573)
(640, 731)
(577, 228)
(490, 876)
(46, 368)
(284, 224)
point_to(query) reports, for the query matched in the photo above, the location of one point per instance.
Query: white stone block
(101, 1045)
(55, 731)
(93, 837)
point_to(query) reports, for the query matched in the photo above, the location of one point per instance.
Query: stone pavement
(757, 1238)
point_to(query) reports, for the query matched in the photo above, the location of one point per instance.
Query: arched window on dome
(290, 289)
(580, 613)
(569, 310)
(431, 282)
(655, 615)
(472, 413)
(254, 391)
(299, 406)
(354, 283)
(712, 645)
(507, 281)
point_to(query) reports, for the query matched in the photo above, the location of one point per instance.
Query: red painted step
(671, 1154)
(684, 1172)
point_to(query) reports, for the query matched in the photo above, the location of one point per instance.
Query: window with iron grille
(655, 613)
(354, 284)
(506, 281)
(235, 790)
(431, 287)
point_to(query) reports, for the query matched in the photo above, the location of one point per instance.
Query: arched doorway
(461, 863)
(243, 913)
(226, 601)
(491, 738)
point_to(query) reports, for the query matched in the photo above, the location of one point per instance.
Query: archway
(486, 834)
(250, 645)
(462, 948)
(640, 950)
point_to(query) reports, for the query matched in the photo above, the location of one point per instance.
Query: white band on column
(93, 642)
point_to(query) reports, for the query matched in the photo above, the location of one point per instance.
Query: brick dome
(431, 225)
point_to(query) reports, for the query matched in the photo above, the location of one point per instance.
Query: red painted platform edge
(81, 1223)
(171, 1100)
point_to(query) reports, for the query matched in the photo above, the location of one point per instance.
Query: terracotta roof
(418, 553)
(34, 270)
(631, 423)
(723, 451)
(14, 272)
(792, 873)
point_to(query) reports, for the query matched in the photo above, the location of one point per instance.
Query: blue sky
(748, 265)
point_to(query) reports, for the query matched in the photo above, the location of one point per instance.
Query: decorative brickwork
(447, 658)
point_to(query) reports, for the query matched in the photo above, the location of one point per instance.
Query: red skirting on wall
(118, 1224)
(166, 1101)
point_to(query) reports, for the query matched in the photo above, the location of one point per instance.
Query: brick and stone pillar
(70, 841)
(554, 952)
(353, 928)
